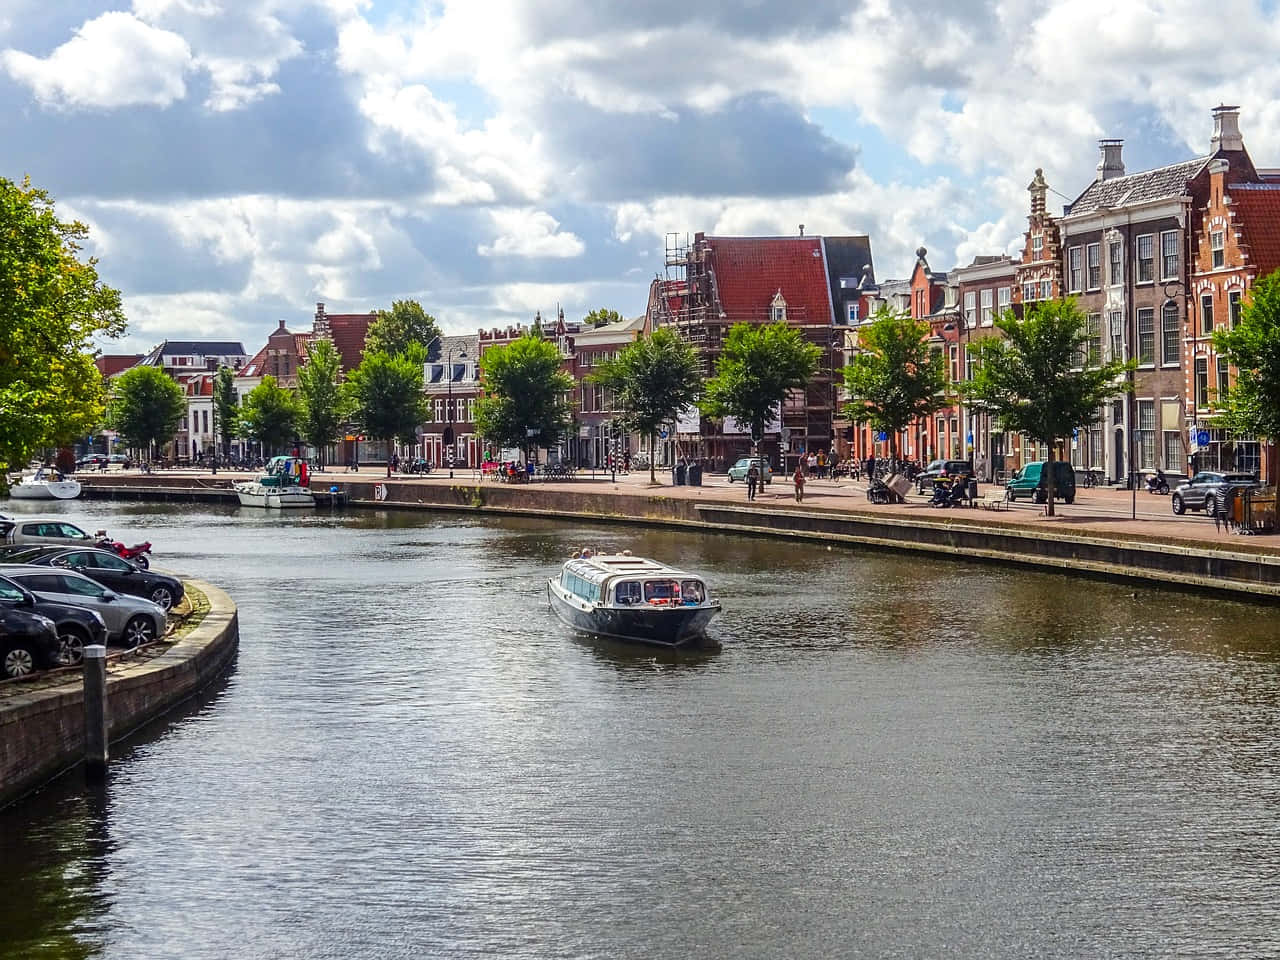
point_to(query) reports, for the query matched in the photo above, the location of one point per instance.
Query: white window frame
(1046, 290)
(1037, 246)
(1206, 316)
(1075, 269)
(1115, 262)
(1093, 266)
(1139, 261)
(970, 309)
(1170, 309)
(1235, 307)
(1168, 250)
(1146, 360)
(985, 299)
(1004, 297)
(852, 312)
(1029, 291)
(1217, 249)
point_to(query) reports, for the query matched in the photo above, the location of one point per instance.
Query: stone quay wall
(42, 732)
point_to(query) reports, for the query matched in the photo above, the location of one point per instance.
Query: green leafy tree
(323, 405)
(1031, 380)
(598, 318)
(146, 407)
(405, 323)
(524, 390)
(755, 370)
(895, 378)
(386, 396)
(652, 379)
(52, 309)
(269, 414)
(225, 410)
(1252, 403)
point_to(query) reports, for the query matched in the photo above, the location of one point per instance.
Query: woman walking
(798, 479)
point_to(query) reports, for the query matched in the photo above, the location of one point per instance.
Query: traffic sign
(1202, 438)
(663, 434)
(881, 437)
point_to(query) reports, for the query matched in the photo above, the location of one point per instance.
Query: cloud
(529, 233)
(113, 61)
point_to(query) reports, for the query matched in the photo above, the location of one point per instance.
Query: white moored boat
(634, 599)
(45, 484)
(282, 487)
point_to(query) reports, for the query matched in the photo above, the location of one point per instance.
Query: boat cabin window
(693, 592)
(662, 591)
(580, 586)
(627, 592)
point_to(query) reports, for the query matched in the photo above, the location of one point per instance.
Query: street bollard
(95, 711)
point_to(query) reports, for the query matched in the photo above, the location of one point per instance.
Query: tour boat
(45, 484)
(633, 599)
(283, 486)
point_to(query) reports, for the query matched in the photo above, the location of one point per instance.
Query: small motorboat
(633, 599)
(283, 486)
(45, 484)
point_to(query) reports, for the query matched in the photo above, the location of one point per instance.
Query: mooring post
(95, 711)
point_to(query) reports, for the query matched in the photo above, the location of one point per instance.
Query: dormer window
(778, 309)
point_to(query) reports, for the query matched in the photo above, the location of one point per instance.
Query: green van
(1030, 482)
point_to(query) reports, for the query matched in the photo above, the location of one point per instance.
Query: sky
(239, 160)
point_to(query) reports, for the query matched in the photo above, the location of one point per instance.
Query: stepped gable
(750, 270)
(348, 332)
(1256, 212)
(1158, 184)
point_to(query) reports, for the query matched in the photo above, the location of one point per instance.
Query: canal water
(889, 757)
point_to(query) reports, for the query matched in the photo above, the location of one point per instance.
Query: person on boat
(586, 553)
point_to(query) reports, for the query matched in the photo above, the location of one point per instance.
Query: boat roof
(601, 566)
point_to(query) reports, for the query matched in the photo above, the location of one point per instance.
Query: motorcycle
(136, 554)
(1157, 483)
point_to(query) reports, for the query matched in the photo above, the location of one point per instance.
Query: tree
(598, 318)
(1033, 381)
(385, 393)
(53, 308)
(146, 407)
(524, 390)
(895, 378)
(225, 410)
(755, 370)
(323, 406)
(269, 414)
(1252, 403)
(653, 379)
(405, 323)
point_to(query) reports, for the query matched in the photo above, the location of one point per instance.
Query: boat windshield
(693, 592)
(662, 591)
(627, 592)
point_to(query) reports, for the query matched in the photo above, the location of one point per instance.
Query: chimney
(802, 229)
(1226, 129)
(320, 326)
(280, 329)
(1110, 165)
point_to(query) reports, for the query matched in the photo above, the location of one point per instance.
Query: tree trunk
(1049, 482)
(653, 458)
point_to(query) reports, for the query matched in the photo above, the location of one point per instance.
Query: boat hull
(655, 626)
(254, 495)
(53, 490)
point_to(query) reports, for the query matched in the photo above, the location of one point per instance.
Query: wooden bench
(994, 500)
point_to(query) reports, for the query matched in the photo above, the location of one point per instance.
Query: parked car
(937, 468)
(28, 642)
(117, 458)
(109, 569)
(92, 460)
(129, 620)
(1201, 489)
(42, 530)
(1030, 482)
(739, 470)
(77, 627)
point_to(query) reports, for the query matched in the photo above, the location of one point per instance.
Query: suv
(28, 642)
(42, 530)
(1199, 492)
(937, 468)
(739, 470)
(105, 567)
(76, 626)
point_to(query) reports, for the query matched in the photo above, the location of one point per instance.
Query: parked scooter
(1156, 483)
(137, 553)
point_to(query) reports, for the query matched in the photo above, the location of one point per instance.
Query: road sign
(663, 434)
(881, 437)
(1202, 438)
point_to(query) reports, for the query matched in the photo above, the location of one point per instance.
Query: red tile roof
(109, 364)
(750, 270)
(348, 331)
(1257, 215)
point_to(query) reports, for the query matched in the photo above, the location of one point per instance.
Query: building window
(1046, 289)
(195, 422)
(439, 411)
(1172, 451)
(204, 420)
(1115, 253)
(1202, 383)
(1145, 435)
(1115, 326)
(1029, 292)
(1224, 379)
(1093, 260)
(1146, 258)
(1146, 336)
(1171, 341)
(778, 308)
(920, 310)
(1093, 328)
(1075, 271)
(1169, 254)
(1233, 304)
(1004, 296)
(971, 309)
(1217, 250)
(471, 410)
(853, 313)
(987, 297)
(1206, 313)
(1037, 246)
(955, 362)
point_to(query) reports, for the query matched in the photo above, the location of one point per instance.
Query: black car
(106, 568)
(92, 460)
(937, 468)
(77, 627)
(28, 642)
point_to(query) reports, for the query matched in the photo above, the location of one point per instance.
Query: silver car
(1199, 492)
(42, 530)
(130, 620)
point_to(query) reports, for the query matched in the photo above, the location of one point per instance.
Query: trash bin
(678, 475)
(695, 474)
(971, 491)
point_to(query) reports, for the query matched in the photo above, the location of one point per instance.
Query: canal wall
(42, 732)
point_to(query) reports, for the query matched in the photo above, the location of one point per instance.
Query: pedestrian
(812, 463)
(753, 478)
(798, 480)
(871, 466)
(626, 462)
(822, 464)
